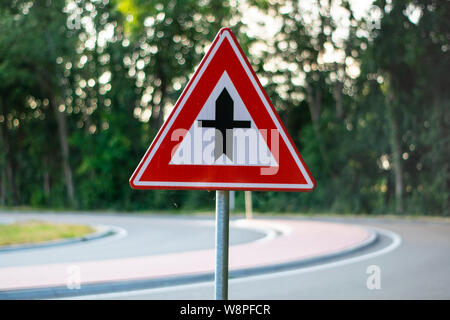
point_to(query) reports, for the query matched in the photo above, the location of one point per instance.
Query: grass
(33, 231)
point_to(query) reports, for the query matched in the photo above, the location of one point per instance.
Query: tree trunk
(62, 123)
(7, 156)
(62, 133)
(338, 97)
(314, 105)
(2, 173)
(2, 187)
(397, 165)
(46, 178)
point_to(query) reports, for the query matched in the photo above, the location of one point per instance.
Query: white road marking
(270, 232)
(119, 233)
(396, 242)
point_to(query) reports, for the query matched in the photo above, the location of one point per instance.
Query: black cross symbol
(224, 121)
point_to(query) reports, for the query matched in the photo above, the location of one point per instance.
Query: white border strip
(138, 182)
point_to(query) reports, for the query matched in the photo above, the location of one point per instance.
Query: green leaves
(114, 68)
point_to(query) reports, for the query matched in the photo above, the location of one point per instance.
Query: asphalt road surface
(139, 235)
(413, 258)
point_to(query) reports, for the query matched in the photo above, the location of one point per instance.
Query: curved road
(413, 258)
(413, 265)
(140, 235)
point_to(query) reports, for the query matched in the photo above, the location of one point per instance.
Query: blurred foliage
(86, 84)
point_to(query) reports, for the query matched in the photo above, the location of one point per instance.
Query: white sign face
(224, 133)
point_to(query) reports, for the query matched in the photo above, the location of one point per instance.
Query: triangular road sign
(223, 133)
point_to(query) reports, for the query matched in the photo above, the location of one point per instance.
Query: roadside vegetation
(33, 231)
(85, 86)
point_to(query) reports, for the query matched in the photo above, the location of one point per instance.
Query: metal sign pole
(248, 205)
(222, 223)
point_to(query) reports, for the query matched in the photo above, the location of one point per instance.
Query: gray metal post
(248, 205)
(222, 223)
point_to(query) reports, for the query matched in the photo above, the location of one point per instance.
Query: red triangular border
(165, 176)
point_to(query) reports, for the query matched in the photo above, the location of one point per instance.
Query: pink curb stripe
(300, 240)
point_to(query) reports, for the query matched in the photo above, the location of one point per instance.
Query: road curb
(102, 231)
(371, 239)
(139, 284)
